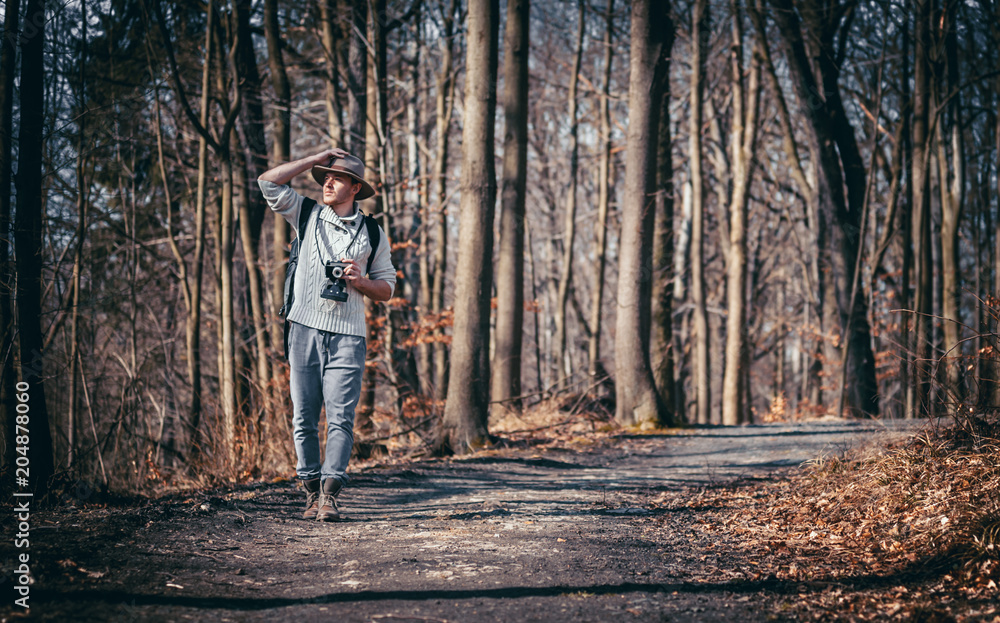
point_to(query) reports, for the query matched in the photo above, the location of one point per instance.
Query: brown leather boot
(312, 498)
(328, 500)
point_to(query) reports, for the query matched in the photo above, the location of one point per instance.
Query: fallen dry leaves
(911, 532)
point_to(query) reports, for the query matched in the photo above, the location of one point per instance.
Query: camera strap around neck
(321, 228)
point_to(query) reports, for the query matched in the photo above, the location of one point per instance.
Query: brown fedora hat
(349, 165)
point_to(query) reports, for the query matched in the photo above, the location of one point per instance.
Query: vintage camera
(336, 289)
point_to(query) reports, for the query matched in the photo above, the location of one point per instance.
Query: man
(326, 340)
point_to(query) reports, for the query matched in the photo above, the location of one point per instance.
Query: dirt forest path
(514, 535)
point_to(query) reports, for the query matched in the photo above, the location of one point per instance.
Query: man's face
(339, 188)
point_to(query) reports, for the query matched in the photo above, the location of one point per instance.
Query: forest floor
(703, 524)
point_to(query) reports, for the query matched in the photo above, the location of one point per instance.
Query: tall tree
(464, 425)
(951, 157)
(990, 392)
(661, 343)
(329, 39)
(419, 185)
(918, 394)
(444, 107)
(225, 226)
(562, 356)
(905, 224)
(282, 146)
(595, 368)
(839, 167)
(743, 136)
(357, 78)
(415, 193)
(169, 436)
(510, 266)
(82, 206)
(251, 162)
(637, 399)
(374, 158)
(8, 69)
(700, 33)
(224, 267)
(28, 240)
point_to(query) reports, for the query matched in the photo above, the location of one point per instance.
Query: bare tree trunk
(220, 351)
(28, 243)
(636, 399)
(169, 427)
(193, 331)
(661, 343)
(951, 173)
(839, 167)
(8, 69)
(700, 21)
(230, 408)
(425, 348)
(985, 374)
(250, 241)
(418, 187)
(918, 396)
(357, 78)
(540, 386)
(778, 389)
(595, 368)
(82, 205)
(225, 237)
(374, 166)
(252, 207)
(464, 426)
(131, 390)
(562, 356)
(411, 212)
(907, 318)
(282, 141)
(510, 266)
(445, 101)
(891, 232)
(335, 128)
(743, 136)
(994, 395)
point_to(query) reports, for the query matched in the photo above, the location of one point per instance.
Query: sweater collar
(347, 222)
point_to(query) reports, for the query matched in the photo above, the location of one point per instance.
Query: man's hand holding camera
(354, 274)
(338, 273)
(352, 271)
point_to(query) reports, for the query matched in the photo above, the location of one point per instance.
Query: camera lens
(337, 272)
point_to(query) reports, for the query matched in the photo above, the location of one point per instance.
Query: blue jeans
(326, 369)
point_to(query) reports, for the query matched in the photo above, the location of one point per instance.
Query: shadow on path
(773, 586)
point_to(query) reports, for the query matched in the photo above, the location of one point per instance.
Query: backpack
(293, 258)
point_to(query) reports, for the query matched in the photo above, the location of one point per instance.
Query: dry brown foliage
(908, 532)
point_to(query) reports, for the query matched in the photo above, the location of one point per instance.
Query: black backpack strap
(373, 239)
(293, 261)
(307, 207)
(293, 255)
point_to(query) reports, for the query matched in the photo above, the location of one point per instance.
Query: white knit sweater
(309, 309)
